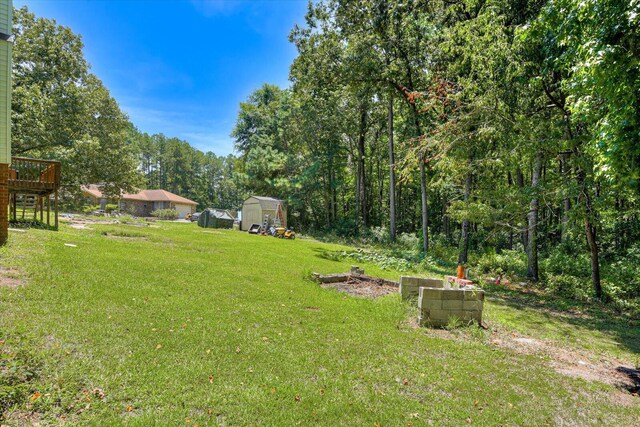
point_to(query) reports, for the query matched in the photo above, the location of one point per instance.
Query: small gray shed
(255, 208)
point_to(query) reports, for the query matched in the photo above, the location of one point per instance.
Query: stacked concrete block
(410, 285)
(439, 306)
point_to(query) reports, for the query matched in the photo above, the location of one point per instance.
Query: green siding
(5, 102)
(6, 9)
(5, 83)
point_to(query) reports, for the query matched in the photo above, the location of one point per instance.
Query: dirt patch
(80, 226)
(363, 288)
(10, 278)
(572, 362)
(23, 418)
(121, 235)
(80, 223)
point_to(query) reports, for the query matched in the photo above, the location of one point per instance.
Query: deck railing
(34, 174)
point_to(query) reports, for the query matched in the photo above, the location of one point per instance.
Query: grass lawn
(176, 325)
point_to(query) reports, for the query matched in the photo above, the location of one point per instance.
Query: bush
(559, 261)
(569, 286)
(90, 208)
(110, 207)
(508, 261)
(168, 214)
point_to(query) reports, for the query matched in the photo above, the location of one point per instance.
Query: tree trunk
(362, 193)
(566, 202)
(392, 176)
(464, 240)
(593, 249)
(532, 249)
(590, 229)
(425, 212)
(520, 182)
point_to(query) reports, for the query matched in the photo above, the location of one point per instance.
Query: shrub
(168, 214)
(569, 286)
(508, 261)
(90, 208)
(559, 261)
(110, 207)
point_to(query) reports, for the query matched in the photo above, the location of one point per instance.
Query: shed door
(251, 214)
(183, 210)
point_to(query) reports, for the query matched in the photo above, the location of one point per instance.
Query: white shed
(256, 208)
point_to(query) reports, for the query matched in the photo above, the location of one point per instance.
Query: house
(263, 211)
(147, 201)
(94, 197)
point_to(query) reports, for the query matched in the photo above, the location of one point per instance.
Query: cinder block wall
(438, 306)
(410, 285)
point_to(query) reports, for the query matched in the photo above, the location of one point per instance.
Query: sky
(182, 67)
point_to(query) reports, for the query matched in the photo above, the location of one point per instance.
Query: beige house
(147, 201)
(257, 210)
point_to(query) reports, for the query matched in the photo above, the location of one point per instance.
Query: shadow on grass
(28, 223)
(596, 317)
(634, 378)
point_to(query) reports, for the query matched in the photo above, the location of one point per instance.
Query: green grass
(177, 326)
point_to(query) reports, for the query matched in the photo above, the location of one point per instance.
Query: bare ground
(362, 288)
(10, 278)
(572, 362)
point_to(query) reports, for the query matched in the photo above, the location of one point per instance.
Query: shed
(256, 209)
(215, 218)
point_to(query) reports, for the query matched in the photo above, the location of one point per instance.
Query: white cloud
(210, 135)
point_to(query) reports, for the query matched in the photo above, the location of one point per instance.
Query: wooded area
(506, 130)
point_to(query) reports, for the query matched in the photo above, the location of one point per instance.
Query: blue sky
(182, 67)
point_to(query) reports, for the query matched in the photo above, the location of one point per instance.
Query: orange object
(460, 272)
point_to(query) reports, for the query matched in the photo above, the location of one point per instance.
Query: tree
(62, 111)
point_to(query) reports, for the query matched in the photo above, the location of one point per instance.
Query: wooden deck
(33, 176)
(32, 183)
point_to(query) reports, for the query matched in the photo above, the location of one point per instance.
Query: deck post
(48, 209)
(40, 202)
(56, 209)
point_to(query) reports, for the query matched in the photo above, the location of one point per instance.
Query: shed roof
(158, 196)
(220, 214)
(266, 202)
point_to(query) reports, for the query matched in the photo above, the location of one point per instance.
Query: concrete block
(464, 282)
(430, 304)
(452, 304)
(430, 293)
(409, 280)
(453, 294)
(408, 287)
(431, 283)
(408, 291)
(474, 295)
(472, 305)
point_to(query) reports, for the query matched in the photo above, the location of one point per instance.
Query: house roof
(92, 189)
(158, 196)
